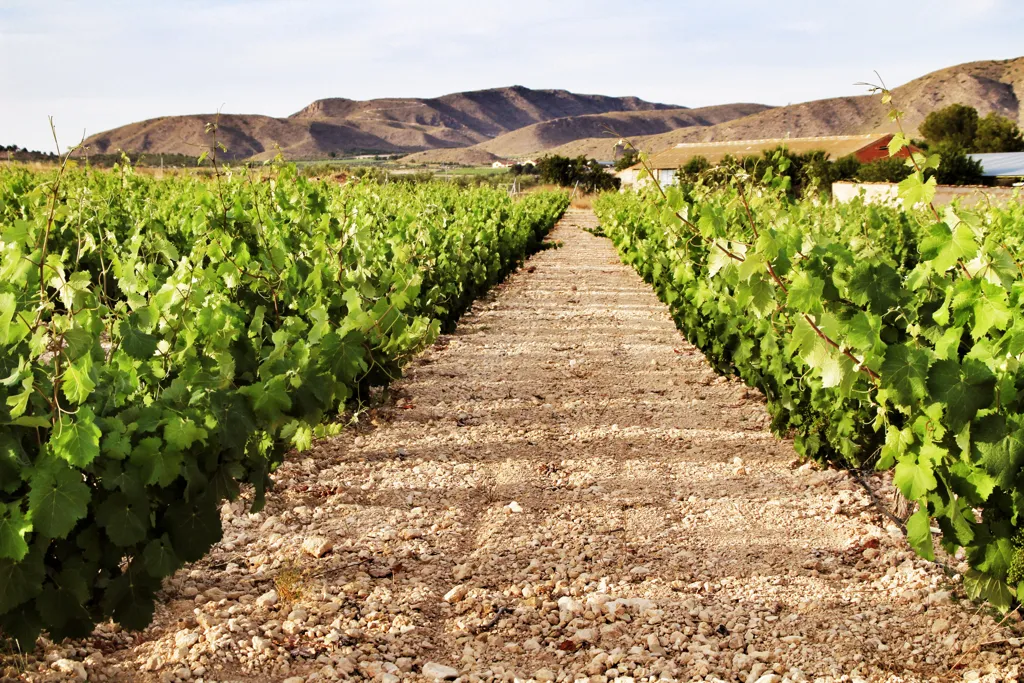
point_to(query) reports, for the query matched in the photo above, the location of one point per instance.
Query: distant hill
(988, 86)
(555, 132)
(341, 126)
(481, 126)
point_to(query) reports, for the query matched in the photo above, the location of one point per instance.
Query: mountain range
(478, 127)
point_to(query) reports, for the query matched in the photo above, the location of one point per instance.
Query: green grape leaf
(63, 613)
(947, 347)
(129, 598)
(77, 382)
(965, 390)
(863, 332)
(124, 519)
(914, 477)
(14, 465)
(58, 497)
(718, 259)
(77, 342)
(762, 296)
(998, 553)
(919, 534)
(990, 310)
(135, 342)
(193, 526)
(116, 442)
(805, 293)
(904, 373)
(77, 438)
(12, 328)
(8, 306)
(159, 558)
(979, 585)
(21, 581)
(14, 525)
(156, 464)
(998, 445)
(914, 190)
(181, 433)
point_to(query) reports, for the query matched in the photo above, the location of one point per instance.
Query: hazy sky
(96, 65)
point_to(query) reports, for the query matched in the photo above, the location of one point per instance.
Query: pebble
(456, 594)
(186, 639)
(268, 599)
(317, 546)
(514, 507)
(215, 594)
(71, 668)
(439, 672)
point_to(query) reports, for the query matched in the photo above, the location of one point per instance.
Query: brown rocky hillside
(989, 86)
(548, 134)
(480, 126)
(343, 126)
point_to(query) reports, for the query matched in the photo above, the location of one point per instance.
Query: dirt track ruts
(595, 503)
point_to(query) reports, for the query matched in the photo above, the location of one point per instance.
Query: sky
(93, 65)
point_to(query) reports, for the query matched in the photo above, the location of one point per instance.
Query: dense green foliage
(164, 341)
(586, 174)
(888, 170)
(957, 167)
(879, 336)
(959, 126)
(998, 134)
(629, 157)
(956, 125)
(813, 173)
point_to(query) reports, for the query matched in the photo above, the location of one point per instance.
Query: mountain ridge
(988, 86)
(384, 125)
(477, 127)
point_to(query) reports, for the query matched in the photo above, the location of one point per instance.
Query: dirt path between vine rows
(562, 490)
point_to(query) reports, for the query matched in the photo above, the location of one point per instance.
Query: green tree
(956, 168)
(957, 124)
(628, 158)
(567, 172)
(888, 170)
(696, 165)
(846, 168)
(997, 134)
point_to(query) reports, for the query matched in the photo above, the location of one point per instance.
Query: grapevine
(880, 336)
(165, 342)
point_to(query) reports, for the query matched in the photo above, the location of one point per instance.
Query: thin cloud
(97, 65)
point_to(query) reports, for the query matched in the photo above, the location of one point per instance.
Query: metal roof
(1002, 164)
(836, 146)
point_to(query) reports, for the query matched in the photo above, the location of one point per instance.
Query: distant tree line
(16, 153)
(585, 174)
(815, 172)
(960, 127)
(953, 133)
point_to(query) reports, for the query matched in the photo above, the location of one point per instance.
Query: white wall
(886, 193)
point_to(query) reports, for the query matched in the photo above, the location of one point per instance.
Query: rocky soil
(563, 490)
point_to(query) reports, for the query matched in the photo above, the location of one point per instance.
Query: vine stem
(846, 352)
(49, 221)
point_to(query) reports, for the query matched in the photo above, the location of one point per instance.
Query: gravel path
(563, 490)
